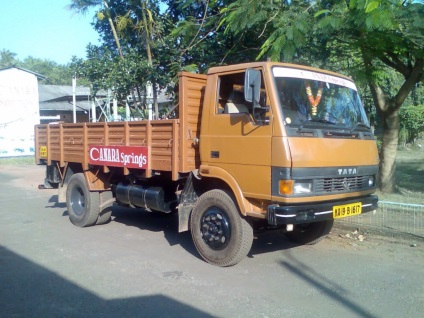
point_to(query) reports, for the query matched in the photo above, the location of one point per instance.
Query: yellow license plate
(43, 151)
(342, 211)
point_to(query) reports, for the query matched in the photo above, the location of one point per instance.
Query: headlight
(371, 181)
(303, 187)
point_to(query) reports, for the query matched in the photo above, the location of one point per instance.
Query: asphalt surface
(138, 265)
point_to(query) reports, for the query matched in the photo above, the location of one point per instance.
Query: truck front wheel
(310, 233)
(83, 205)
(221, 235)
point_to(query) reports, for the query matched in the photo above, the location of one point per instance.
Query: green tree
(82, 6)
(140, 17)
(199, 39)
(411, 122)
(389, 34)
(136, 28)
(381, 34)
(7, 58)
(55, 73)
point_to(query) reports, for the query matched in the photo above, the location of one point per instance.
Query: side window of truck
(231, 94)
(230, 97)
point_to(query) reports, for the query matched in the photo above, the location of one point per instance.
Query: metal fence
(407, 218)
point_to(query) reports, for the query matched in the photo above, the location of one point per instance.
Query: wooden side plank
(71, 142)
(191, 91)
(171, 143)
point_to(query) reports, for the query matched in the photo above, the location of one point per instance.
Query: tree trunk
(148, 29)
(388, 109)
(388, 151)
(155, 100)
(115, 34)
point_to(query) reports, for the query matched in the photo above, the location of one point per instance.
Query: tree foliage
(106, 70)
(384, 36)
(55, 73)
(411, 122)
(128, 58)
(199, 38)
(7, 58)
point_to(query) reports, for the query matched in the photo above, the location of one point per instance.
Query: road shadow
(30, 290)
(268, 241)
(265, 241)
(53, 203)
(325, 285)
(155, 222)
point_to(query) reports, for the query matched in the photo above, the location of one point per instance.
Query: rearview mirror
(252, 94)
(252, 86)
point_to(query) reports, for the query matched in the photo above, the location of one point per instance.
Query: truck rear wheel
(310, 233)
(83, 205)
(221, 235)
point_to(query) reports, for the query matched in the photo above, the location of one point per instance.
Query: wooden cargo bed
(169, 143)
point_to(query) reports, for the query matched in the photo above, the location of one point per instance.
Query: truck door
(234, 142)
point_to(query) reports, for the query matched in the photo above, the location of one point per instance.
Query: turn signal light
(286, 187)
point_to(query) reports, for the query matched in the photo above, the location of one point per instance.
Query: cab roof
(269, 65)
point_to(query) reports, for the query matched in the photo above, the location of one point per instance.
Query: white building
(23, 103)
(19, 111)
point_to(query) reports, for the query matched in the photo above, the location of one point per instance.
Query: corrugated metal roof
(66, 106)
(59, 97)
(61, 92)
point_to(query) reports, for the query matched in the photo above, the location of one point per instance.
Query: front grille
(344, 184)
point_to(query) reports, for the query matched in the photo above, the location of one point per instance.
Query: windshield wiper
(322, 120)
(315, 120)
(359, 125)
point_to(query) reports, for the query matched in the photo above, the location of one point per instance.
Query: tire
(310, 233)
(83, 205)
(106, 202)
(221, 235)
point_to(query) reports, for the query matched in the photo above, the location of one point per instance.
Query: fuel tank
(152, 198)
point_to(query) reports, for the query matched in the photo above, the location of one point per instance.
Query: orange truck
(255, 145)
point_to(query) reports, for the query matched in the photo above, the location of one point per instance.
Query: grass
(409, 176)
(27, 160)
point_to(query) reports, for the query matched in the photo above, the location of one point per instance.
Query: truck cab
(300, 154)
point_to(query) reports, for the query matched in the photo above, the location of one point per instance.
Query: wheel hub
(78, 200)
(215, 228)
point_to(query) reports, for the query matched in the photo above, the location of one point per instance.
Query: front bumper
(296, 214)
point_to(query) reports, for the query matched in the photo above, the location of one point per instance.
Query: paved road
(139, 266)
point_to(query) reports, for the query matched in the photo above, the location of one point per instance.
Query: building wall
(68, 117)
(48, 116)
(19, 112)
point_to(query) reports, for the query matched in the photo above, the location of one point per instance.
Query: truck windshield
(317, 100)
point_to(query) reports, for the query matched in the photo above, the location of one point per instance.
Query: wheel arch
(68, 171)
(196, 185)
(218, 178)
(96, 179)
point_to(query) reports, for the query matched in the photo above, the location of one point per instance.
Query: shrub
(411, 123)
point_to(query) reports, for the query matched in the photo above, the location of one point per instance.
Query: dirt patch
(362, 237)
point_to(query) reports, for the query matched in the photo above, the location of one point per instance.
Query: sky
(45, 29)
